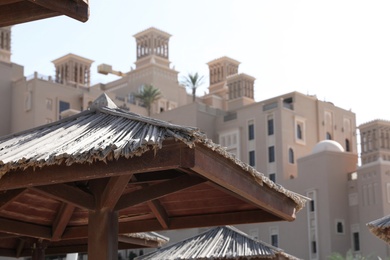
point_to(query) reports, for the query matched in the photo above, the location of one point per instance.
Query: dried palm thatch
(224, 242)
(381, 228)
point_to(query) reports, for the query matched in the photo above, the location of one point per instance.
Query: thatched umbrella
(224, 242)
(381, 228)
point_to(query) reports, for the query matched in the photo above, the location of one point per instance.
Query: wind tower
(240, 90)
(5, 44)
(152, 47)
(73, 70)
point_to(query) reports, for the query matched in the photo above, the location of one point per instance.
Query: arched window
(328, 136)
(347, 145)
(291, 155)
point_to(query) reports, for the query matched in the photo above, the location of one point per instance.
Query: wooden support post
(38, 251)
(103, 235)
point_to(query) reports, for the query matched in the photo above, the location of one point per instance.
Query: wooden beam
(113, 191)
(157, 191)
(6, 236)
(7, 2)
(7, 197)
(62, 220)
(68, 194)
(78, 232)
(24, 229)
(138, 241)
(205, 220)
(20, 247)
(233, 178)
(103, 235)
(208, 220)
(77, 9)
(160, 213)
(149, 177)
(23, 11)
(172, 156)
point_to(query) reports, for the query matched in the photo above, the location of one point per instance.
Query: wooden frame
(20, 11)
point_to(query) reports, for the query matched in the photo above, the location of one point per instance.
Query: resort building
(304, 144)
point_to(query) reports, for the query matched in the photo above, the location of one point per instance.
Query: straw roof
(224, 242)
(381, 228)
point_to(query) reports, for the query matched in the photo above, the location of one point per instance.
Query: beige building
(372, 187)
(282, 137)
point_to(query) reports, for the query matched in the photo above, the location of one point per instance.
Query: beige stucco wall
(9, 72)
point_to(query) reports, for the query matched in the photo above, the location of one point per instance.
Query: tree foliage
(148, 95)
(349, 256)
(192, 81)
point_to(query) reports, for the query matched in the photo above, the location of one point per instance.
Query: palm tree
(192, 81)
(148, 95)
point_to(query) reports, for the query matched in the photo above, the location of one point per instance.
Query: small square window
(340, 227)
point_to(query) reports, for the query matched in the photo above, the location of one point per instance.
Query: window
(270, 125)
(291, 155)
(64, 106)
(339, 227)
(252, 160)
(312, 205)
(347, 146)
(271, 154)
(49, 103)
(356, 241)
(251, 130)
(288, 103)
(230, 140)
(274, 240)
(272, 177)
(299, 132)
(274, 236)
(314, 247)
(328, 136)
(300, 129)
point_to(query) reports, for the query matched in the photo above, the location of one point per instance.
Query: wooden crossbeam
(62, 220)
(7, 197)
(137, 241)
(158, 190)
(68, 194)
(113, 191)
(160, 213)
(220, 171)
(24, 229)
(203, 220)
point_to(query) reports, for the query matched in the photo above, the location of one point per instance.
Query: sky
(336, 50)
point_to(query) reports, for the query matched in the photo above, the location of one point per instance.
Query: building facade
(304, 144)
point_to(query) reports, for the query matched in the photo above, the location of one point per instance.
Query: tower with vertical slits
(73, 70)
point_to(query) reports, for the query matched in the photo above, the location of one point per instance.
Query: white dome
(328, 145)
